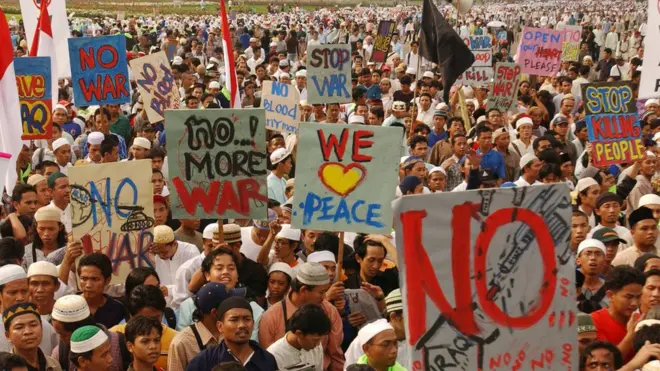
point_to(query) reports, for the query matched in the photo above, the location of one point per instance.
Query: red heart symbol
(341, 179)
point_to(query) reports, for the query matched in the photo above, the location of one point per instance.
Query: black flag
(440, 44)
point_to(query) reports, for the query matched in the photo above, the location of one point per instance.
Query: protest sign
(611, 115)
(649, 87)
(571, 38)
(504, 93)
(112, 212)
(217, 165)
(539, 52)
(281, 104)
(35, 93)
(481, 70)
(30, 10)
(156, 84)
(99, 70)
(329, 69)
(347, 179)
(382, 43)
(4, 167)
(489, 279)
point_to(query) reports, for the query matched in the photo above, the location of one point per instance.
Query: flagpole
(419, 59)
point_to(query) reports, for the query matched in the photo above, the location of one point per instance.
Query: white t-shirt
(287, 356)
(249, 248)
(166, 269)
(276, 188)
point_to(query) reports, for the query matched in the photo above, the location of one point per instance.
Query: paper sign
(4, 167)
(347, 179)
(30, 10)
(504, 93)
(281, 104)
(99, 70)
(112, 212)
(649, 86)
(571, 38)
(488, 279)
(156, 84)
(482, 68)
(540, 51)
(382, 43)
(217, 164)
(612, 124)
(329, 71)
(34, 82)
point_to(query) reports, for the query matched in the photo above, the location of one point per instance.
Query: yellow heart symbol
(342, 179)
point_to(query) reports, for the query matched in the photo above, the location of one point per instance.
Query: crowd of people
(262, 295)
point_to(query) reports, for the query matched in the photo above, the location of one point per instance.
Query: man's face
(28, 204)
(24, 332)
(651, 293)
(157, 163)
(362, 111)
(59, 116)
(284, 248)
(138, 152)
(95, 152)
(567, 106)
(91, 281)
(314, 296)
(114, 109)
(485, 141)
(102, 124)
(14, 292)
(625, 301)
(146, 348)
(43, 196)
(373, 119)
(460, 145)
(543, 145)
(566, 87)
(645, 232)
(333, 112)
(592, 261)
(278, 284)
(592, 195)
(382, 349)
(418, 170)
(609, 212)
(160, 213)
(600, 360)
(425, 102)
(648, 166)
(158, 182)
(503, 141)
(579, 229)
(223, 270)
(63, 155)
(101, 358)
(421, 149)
(42, 289)
(236, 325)
(61, 190)
(495, 118)
(372, 261)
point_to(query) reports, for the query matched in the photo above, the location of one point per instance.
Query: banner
(281, 102)
(4, 167)
(347, 179)
(539, 51)
(382, 43)
(504, 93)
(571, 39)
(156, 84)
(112, 212)
(30, 10)
(217, 163)
(488, 279)
(649, 87)
(482, 69)
(99, 70)
(329, 71)
(34, 82)
(612, 124)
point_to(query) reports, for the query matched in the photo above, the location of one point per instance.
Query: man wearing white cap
(524, 143)
(280, 276)
(286, 240)
(94, 140)
(643, 186)
(170, 254)
(591, 256)
(530, 166)
(281, 161)
(652, 105)
(62, 152)
(380, 346)
(588, 191)
(13, 290)
(58, 184)
(40, 184)
(301, 83)
(43, 283)
(140, 148)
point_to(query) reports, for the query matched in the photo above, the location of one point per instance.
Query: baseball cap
(606, 235)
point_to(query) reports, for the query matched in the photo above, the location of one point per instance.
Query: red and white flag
(31, 9)
(43, 45)
(231, 82)
(10, 109)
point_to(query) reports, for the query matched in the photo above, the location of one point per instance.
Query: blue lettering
(342, 212)
(373, 213)
(354, 209)
(316, 208)
(333, 85)
(97, 199)
(312, 204)
(120, 186)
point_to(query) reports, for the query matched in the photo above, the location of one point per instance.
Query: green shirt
(123, 128)
(396, 367)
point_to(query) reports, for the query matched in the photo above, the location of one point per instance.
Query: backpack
(170, 317)
(592, 304)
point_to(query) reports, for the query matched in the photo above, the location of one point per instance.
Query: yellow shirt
(165, 341)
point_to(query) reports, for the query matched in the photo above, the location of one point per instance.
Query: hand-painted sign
(348, 178)
(217, 166)
(329, 71)
(34, 81)
(112, 212)
(612, 124)
(99, 70)
(156, 84)
(281, 102)
(481, 70)
(539, 52)
(382, 43)
(489, 279)
(571, 38)
(504, 93)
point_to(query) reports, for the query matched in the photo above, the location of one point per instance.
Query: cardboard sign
(504, 93)
(112, 212)
(347, 179)
(30, 10)
(382, 43)
(539, 52)
(217, 165)
(156, 84)
(482, 69)
(612, 124)
(281, 102)
(649, 87)
(571, 38)
(34, 82)
(329, 74)
(488, 279)
(99, 70)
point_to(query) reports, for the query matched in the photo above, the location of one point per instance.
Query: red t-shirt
(607, 328)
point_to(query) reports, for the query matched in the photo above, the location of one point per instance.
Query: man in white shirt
(530, 166)
(281, 161)
(621, 70)
(62, 152)
(301, 348)
(60, 189)
(170, 254)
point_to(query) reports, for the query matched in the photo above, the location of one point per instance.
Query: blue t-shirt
(494, 161)
(435, 138)
(245, 40)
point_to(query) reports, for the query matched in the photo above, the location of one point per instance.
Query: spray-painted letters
(482, 69)
(504, 93)
(156, 84)
(34, 82)
(329, 74)
(281, 104)
(539, 51)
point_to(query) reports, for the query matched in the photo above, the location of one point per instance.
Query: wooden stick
(340, 257)
(221, 232)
